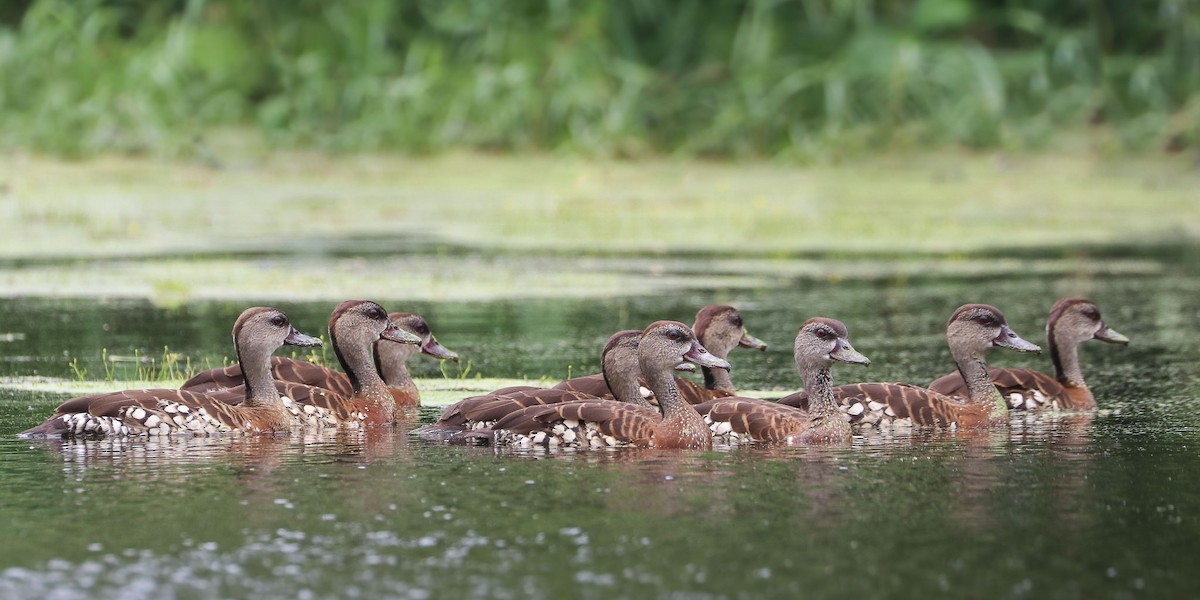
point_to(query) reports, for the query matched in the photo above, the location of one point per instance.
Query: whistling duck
(819, 343)
(619, 360)
(1072, 321)
(973, 329)
(354, 327)
(720, 329)
(390, 360)
(257, 333)
(664, 344)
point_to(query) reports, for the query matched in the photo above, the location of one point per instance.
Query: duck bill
(1110, 335)
(436, 350)
(396, 334)
(749, 341)
(847, 354)
(1009, 339)
(701, 356)
(295, 338)
(685, 367)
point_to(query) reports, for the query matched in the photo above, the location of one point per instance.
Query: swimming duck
(599, 422)
(390, 361)
(819, 343)
(1072, 321)
(720, 329)
(257, 333)
(972, 330)
(619, 361)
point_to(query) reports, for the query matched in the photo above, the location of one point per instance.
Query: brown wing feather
(695, 393)
(595, 385)
(797, 400)
(759, 419)
(901, 400)
(494, 405)
(623, 421)
(282, 368)
(214, 379)
(1010, 381)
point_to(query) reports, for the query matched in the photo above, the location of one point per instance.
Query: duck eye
(984, 320)
(279, 320)
(824, 334)
(736, 320)
(674, 334)
(375, 313)
(1091, 313)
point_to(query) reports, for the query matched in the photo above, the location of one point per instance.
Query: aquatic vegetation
(426, 217)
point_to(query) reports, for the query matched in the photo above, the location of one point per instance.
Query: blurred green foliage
(798, 78)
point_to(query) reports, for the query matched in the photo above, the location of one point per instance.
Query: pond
(1104, 505)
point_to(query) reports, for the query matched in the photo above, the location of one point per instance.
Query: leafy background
(804, 79)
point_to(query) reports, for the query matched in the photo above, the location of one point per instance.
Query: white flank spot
(539, 437)
(856, 408)
(138, 413)
(153, 421)
(568, 436)
(889, 412)
(873, 405)
(572, 423)
(645, 392)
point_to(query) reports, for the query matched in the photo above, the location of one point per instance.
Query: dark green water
(1073, 507)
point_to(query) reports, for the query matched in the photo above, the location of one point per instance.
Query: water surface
(1053, 506)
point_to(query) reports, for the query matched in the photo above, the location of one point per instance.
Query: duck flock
(636, 401)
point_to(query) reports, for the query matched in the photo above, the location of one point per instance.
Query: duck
(1072, 321)
(820, 343)
(390, 360)
(619, 360)
(354, 328)
(257, 332)
(601, 422)
(972, 330)
(720, 328)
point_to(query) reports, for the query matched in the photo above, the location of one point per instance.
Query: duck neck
(718, 379)
(1065, 354)
(358, 362)
(818, 381)
(674, 407)
(624, 385)
(391, 363)
(980, 389)
(256, 376)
